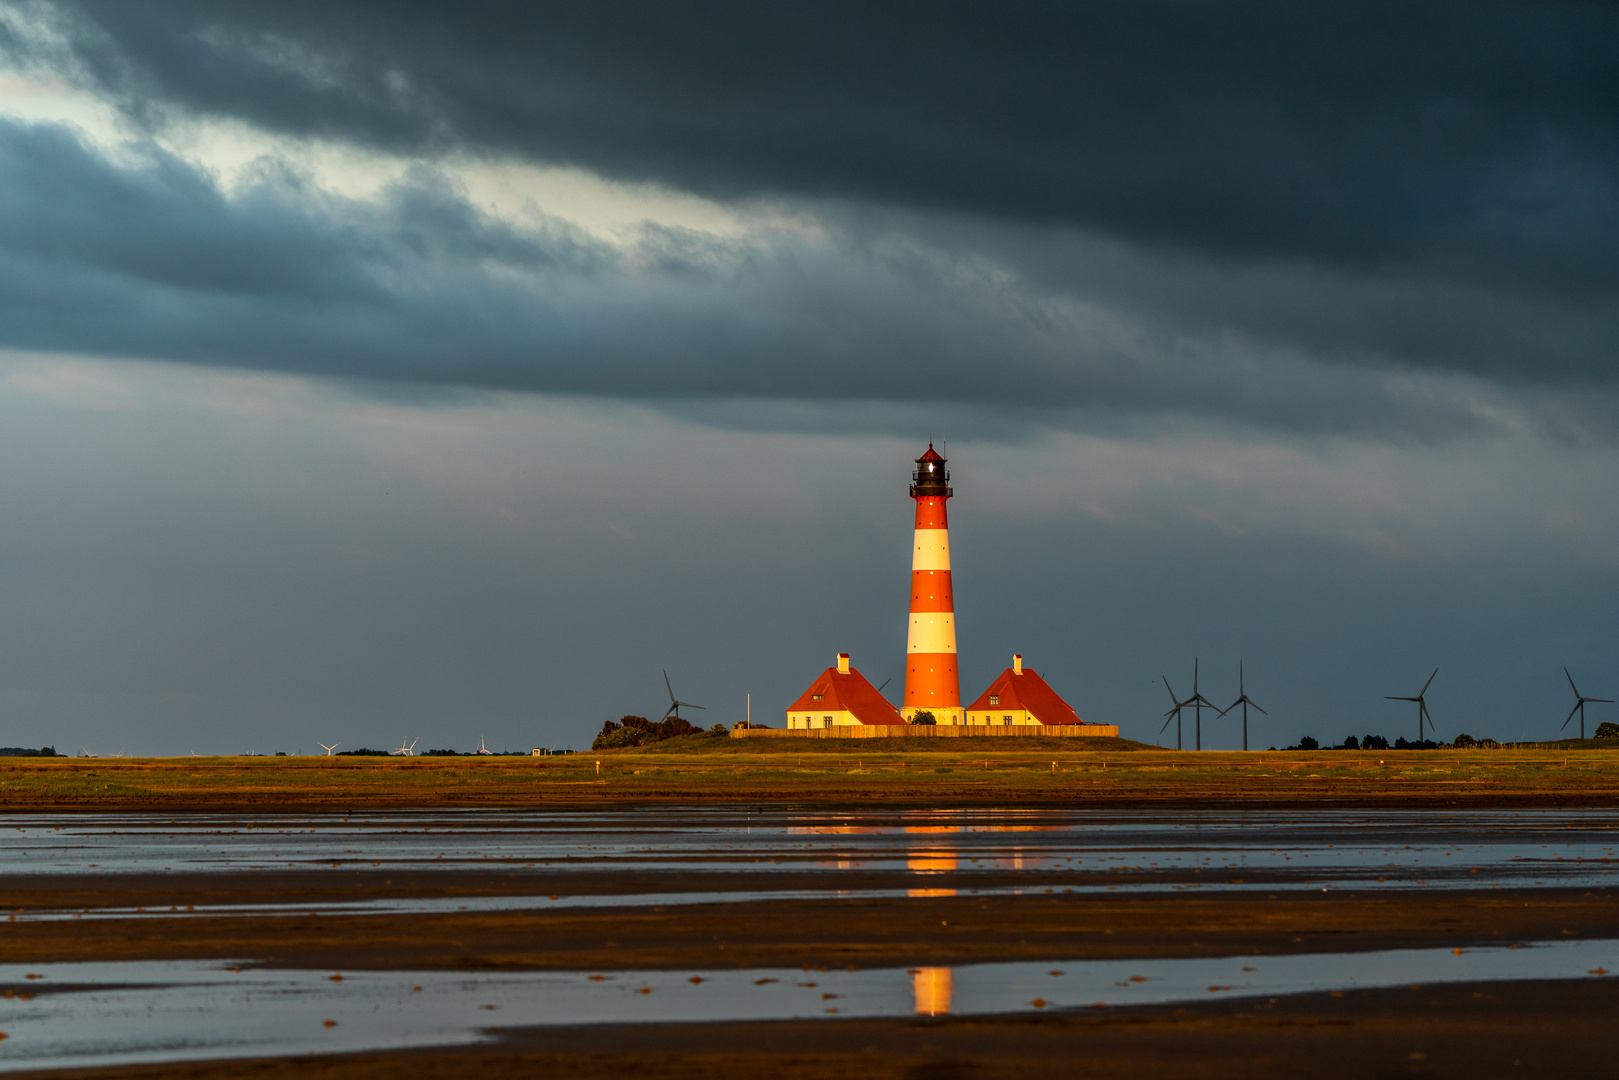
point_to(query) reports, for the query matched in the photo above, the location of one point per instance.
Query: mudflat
(862, 933)
(1032, 773)
(681, 883)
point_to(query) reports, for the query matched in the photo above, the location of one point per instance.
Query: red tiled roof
(847, 692)
(1027, 691)
(931, 455)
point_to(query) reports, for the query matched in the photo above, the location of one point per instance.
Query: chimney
(1017, 663)
(843, 663)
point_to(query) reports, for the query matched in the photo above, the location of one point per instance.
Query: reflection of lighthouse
(933, 988)
(931, 682)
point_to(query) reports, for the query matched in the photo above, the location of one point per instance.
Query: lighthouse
(931, 681)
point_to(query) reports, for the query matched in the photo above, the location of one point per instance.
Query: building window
(826, 721)
(994, 699)
(815, 697)
(1006, 720)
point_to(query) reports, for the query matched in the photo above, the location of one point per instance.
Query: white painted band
(932, 632)
(931, 550)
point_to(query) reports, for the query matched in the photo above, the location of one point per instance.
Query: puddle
(125, 1013)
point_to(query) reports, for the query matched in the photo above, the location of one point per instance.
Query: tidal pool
(57, 1015)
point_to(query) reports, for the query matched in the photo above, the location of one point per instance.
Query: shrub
(1309, 743)
(1488, 744)
(718, 731)
(1465, 741)
(924, 718)
(1607, 730)
(638, 731)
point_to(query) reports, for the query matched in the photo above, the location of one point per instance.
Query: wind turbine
(1197, 703)
(674, 704)
(1173, 714)
(330, 748)
(406, 751)
(1244, 701)
(482, 752)
(1422, 705)
(1579, 705)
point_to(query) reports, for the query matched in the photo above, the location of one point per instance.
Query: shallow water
(989, 850)
(167, 1011)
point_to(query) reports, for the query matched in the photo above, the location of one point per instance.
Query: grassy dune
(1032, 772)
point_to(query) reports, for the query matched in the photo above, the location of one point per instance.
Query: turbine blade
(671, 689)
(1570, 716)
(1388, 698)
(1257, 707)
(1604, 700)
(1430, 681)
(1167, 722)
(1571, 685)
(1171, 690)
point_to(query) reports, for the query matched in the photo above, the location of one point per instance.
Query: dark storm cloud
(1475, 141)
(147, 256)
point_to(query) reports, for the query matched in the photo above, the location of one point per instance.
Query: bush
(1608, 730)
(639, 731)
(1464, 741)
(1488, 744)
(1309, 743)
(924, 718)
(718, 731)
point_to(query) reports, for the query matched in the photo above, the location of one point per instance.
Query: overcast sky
(399, 371)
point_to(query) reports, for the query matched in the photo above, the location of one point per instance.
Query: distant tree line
(50, 751)
(1461, 742)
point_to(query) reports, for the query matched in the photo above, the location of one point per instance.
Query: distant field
(1007, 772)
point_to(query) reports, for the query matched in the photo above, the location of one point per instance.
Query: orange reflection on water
(933, 987)
(931, 862)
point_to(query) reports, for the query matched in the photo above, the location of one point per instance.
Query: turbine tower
(1197, 703)
(1422, 706)
(931, 680)
(1579, 704)
(1244, 701)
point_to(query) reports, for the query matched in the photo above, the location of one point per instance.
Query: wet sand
(851, 932)
(1474, 1030)
(1189, 909)
(1034, 773)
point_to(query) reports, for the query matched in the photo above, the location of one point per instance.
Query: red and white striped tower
(931, 681)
